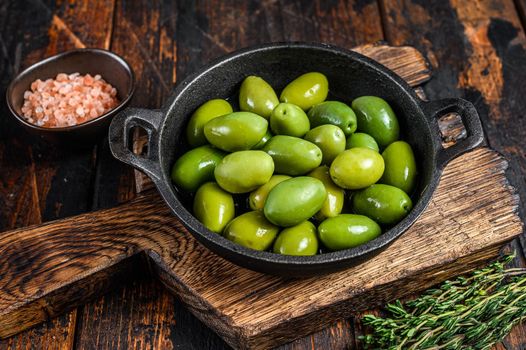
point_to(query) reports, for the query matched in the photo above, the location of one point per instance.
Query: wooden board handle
(47, 269)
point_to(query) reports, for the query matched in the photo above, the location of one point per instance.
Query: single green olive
(195, 167)
(360, 139)
(306, 90)
(333, 204)
(268, 135)
(383, 203)
(297, 240)
(213, 206)
(289, 119)
(251, 230)
(335, 113)
(244, 171)
(330, 139)
(257, 198)
(357, 168)
(202, 115)
(347, 231)
(400, 166)
(236, 131)
(257, 96)
(376, 118)
(294, 200)
(292, 155)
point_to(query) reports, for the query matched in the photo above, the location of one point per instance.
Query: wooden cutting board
(48, 269)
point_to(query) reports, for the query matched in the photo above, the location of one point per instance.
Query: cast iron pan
(350, 75)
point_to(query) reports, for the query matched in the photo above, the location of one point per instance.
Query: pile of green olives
(298, 174)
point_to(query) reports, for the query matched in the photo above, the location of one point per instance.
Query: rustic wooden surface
(477, 50)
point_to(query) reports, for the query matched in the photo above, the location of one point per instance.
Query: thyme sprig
(473, 312)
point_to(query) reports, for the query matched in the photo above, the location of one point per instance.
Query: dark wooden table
(477, 50)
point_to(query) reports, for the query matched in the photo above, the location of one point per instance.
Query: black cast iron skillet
(350, 75)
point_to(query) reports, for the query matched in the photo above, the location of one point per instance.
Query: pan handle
(119, 139)
(470, 118)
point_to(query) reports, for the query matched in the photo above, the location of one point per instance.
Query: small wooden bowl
(113, 68)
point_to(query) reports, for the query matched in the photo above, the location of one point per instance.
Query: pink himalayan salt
(67, 100)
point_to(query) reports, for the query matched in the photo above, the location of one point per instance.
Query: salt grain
(68, 100)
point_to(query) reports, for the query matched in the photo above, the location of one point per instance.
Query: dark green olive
(400, 166)
(236, 131)
(306, 90)
(383, 203)
(289, 119)
(297, 240)
(251, 230)
(196, 167)
(213, 206)
(330, 139)
(202, 115)
(360, 139)
(347, 231)
(293, 156)
(257, 96)
(244, 171)
(335, 113)
(376, 118)
(357, 168)
(257, 198)
(294, 200)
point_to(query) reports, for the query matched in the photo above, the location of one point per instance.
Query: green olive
(333, 204)
(236, 131)
(347, 231)
(297, 240)
(400, 166)
(357, 168)
(268, 135)
(258, 197)
(289, 119)
(257, 96)
(293, 156)
(376, 118)
(213, 206)
(335, 113)
(330, 139)
(294, 200)
(244, 171)
(306, 90)
(383, 203)
(251, 230)
(202, 115)
(195, 167)
(360, 139)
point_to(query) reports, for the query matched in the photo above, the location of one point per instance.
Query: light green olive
(202, 115)
(384, 203)
(289, 119)
(347, 231)
(293, 156)
(294, 200)
(306, 90)
(330, 139)
(335, 113)
(297, 240)
(195, 167)
(251, 230)
(333, 204)
(376, 118)
(236, 131)
(213, 206)
(357, 168)
(244, 171)
(258, 197)
(360, 139)
(400, 166)
(268, 135)
(257, 96)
